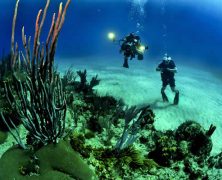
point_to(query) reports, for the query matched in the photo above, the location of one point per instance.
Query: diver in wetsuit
(131, 46)
(168, 68)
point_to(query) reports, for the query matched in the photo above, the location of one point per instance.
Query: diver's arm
(158, 69)
(160, 66)
(174, 70)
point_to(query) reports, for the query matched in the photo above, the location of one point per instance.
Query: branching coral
(133, 118)
(85, 87)
(40, 100)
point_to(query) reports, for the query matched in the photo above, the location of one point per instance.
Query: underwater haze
(190, 31)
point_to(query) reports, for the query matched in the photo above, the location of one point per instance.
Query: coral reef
(51, 159)
(165, 150)
(72, 85)
(74, 133)
(198, 139)
(156, 154)
(3, 137)
(84, 86)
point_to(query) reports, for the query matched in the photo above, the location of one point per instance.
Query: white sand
(200, 92)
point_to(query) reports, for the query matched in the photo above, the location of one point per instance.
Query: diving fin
(125, 64)
(164, 96)
(176, 98)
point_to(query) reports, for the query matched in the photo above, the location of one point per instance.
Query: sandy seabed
(200, 91)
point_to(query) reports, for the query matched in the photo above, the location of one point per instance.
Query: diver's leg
(125, 64)
(177, 95)
(164, 96)
(173, 88)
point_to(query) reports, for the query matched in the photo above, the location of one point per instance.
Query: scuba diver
(168, 68)
(130, 46)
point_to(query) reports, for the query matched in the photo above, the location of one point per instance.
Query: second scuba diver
(168, 68)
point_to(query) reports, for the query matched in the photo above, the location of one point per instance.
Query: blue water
(187, 30)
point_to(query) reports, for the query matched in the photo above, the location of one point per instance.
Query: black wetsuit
(129, 48)
(167, 76)
(131, 38)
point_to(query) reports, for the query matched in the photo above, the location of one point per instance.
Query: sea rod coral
(39, 99)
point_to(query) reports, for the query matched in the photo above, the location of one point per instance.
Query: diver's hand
(161, 69)
(171, 70)
(158, 69)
